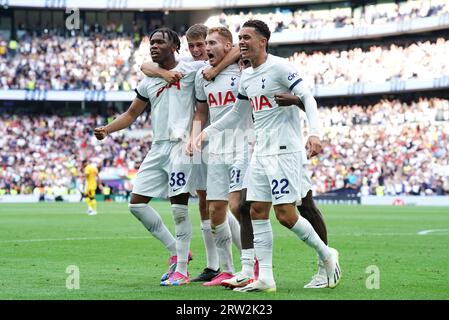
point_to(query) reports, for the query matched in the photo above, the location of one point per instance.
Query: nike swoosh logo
(174, 190)
(207, 84)
(278, 197)
(238, 281)
(230, 187)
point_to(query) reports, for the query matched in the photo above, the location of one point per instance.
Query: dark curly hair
(171, 35)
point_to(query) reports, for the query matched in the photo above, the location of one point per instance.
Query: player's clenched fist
(198, 142)
(173, 76)
(100, 133)
(313, 146)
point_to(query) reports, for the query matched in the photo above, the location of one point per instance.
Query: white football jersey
(172, 105)
(278, 129)
(220, 95)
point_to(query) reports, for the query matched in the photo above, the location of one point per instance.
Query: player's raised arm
(124, 120)
(233, 56)
(152, 69)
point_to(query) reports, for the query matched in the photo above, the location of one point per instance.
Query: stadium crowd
(421, 60)
(287, 19)
(386, 148)
(47, 151)
(100, 62)
(103, 63)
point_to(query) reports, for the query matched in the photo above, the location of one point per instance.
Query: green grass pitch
(118, 259)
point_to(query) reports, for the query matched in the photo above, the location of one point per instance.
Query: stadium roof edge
(155, 5)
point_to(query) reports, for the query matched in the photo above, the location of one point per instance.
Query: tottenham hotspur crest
(263, 83)
(233, 81)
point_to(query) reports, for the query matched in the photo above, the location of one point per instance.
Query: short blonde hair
(222, 31)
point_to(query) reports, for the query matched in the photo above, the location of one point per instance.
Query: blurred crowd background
(390, 144)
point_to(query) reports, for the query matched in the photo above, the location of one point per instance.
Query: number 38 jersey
(220, 95)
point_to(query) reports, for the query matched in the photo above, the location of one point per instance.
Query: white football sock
(304, 230)
(263, 247)
(209, 244)
(223, 242)
(235, 230)
(152, 222)
(183, 229)
(247, 260)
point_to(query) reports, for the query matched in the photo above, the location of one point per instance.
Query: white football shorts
(275, 178)
(165, 172)
(225, 173)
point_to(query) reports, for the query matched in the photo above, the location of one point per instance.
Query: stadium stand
(284, 19)
(401, 147)
(397, 143)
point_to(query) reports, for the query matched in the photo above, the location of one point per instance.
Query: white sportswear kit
(276, 172)
(228, 153)
(166, 169)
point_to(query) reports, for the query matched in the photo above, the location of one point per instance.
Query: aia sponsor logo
(220, 99)
(258, 103)
(176, 84)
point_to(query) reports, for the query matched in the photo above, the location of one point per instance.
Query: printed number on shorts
(235, 176)
(282, 184)
(178, 179)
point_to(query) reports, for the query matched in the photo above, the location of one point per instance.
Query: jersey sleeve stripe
(199, 100)
(140, 96)
(242, 97)
(295, 83)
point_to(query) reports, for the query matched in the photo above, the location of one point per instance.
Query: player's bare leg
(223, 240)
(233, 217)
(152, 221)
(309, 211)
(212, 265)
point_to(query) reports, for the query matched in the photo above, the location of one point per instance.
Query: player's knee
(235, 209)
(180, 213)
(134, 208)
(283, 215)
(183, 227)
(217, 210)
(257, 212)
(149, 218)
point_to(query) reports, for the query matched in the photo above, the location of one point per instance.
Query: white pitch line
(437, 231)
(148, 237)
(423, 232)
(71, 239)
